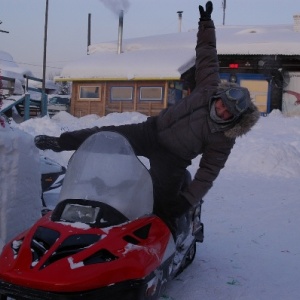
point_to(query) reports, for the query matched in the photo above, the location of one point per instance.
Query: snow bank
(20, 183)
(271, 148)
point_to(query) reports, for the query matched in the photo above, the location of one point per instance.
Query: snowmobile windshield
(106, 169)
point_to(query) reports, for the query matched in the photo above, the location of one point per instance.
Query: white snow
(10, 69)
(79, 225)
(167, 56)
(251, 248)
(74, 265)
(20, 183)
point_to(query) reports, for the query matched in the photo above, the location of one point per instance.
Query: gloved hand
(45, 142)
(179, 207)
(206, 15)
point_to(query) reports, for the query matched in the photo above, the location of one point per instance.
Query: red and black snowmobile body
(101, 241)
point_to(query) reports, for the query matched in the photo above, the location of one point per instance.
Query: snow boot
(45, 142)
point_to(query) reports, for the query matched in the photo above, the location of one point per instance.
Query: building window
(89, 92)
(151, 93)
(121, 93)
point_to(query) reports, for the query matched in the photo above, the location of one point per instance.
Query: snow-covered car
(58, 103)
(52, 176)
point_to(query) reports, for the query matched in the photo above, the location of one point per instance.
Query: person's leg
(142, 137)
(168, 173)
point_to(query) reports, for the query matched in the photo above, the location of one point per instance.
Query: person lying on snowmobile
(206, 123)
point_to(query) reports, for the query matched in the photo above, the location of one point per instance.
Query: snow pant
(167, 170)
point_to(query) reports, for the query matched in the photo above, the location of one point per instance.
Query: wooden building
(102, 97)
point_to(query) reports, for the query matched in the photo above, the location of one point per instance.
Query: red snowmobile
(102, 240)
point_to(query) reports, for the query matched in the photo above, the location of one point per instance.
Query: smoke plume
(116, 5)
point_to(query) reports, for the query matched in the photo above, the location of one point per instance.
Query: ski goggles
(238, 98)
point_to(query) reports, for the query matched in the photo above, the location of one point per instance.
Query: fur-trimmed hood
(243, 123)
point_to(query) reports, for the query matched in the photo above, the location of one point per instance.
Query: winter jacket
(186, 128)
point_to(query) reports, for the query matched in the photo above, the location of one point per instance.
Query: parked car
(52, 178)
(58, 103)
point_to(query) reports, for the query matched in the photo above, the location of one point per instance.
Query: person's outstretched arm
(207, 63)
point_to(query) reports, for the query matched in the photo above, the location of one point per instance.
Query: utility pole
(224, 8)
(44, 98)
(45, 46)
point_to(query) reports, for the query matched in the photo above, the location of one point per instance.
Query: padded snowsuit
(180, 133)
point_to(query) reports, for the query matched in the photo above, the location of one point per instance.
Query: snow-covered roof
(168, 56)
(258, 40)
(10, 69)
(152, 57)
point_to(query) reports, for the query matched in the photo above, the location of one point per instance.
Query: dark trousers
(167, 170)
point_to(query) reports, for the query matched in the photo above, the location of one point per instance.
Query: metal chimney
(120, 35)
(89, 33)
(180, 19)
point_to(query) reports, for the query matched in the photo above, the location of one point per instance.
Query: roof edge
(60, 79)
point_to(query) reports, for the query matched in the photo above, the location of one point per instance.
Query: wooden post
(27, 107)
(44, 104)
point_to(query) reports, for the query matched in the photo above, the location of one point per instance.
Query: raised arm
(207, 63)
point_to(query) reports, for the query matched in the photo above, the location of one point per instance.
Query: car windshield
(106, 169)
(59, 100)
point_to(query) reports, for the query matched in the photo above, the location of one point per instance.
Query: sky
(68, 23)
(251, 247)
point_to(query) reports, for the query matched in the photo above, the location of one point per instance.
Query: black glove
(45, 142)
(206, 15)
(179, 207)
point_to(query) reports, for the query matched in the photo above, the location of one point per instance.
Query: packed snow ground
(251, 248)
